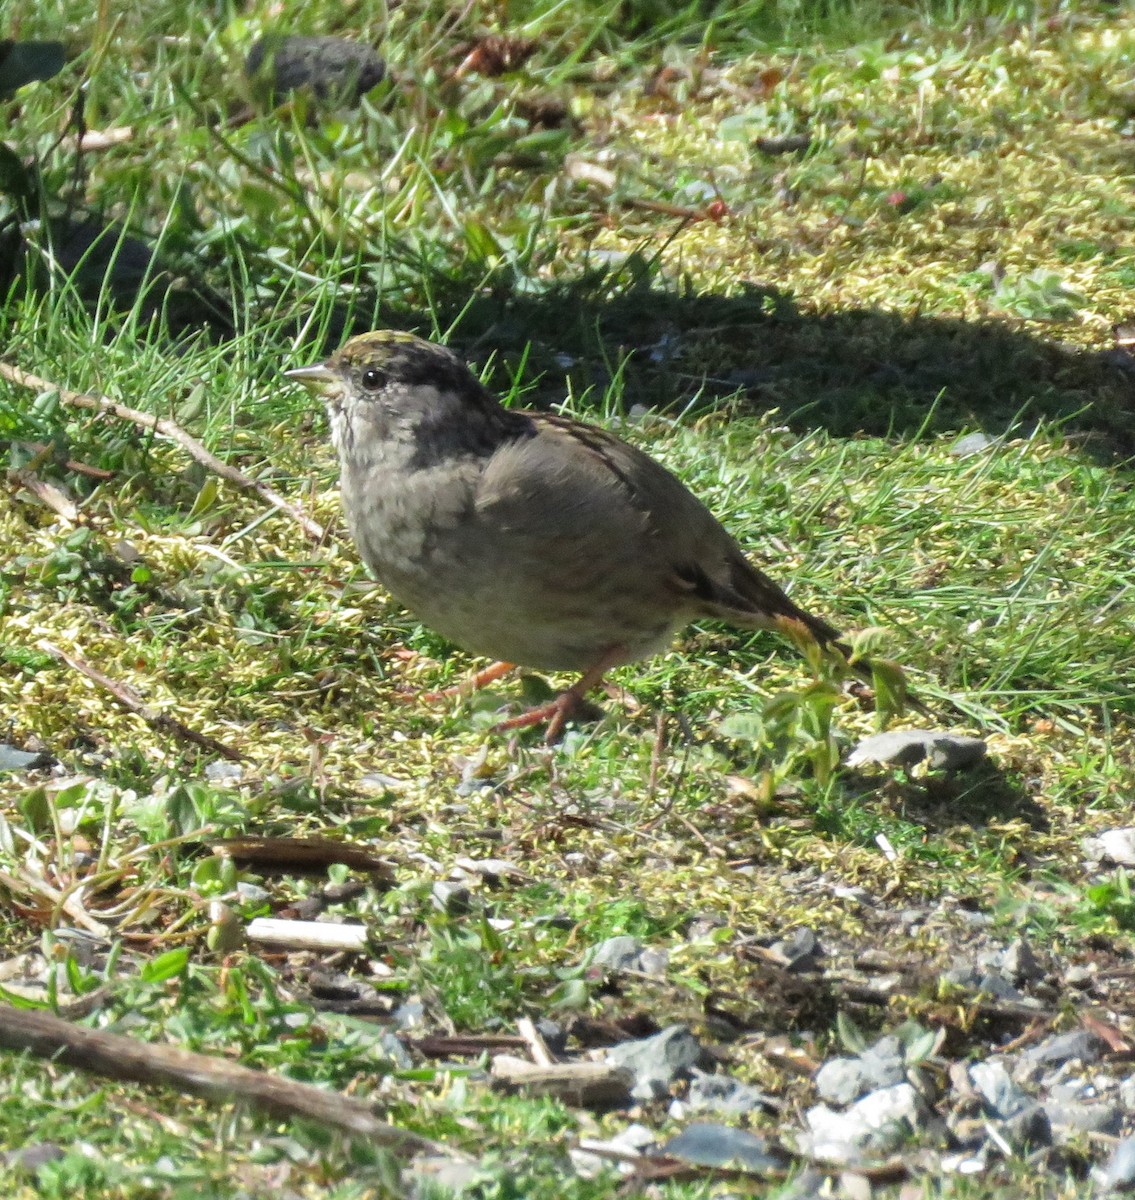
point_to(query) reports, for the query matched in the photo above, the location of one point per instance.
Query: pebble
(879, 1123)
(1076, 1046)
(14, 759)
(1119, 1174)
(906, 747)
(712, 1145)
(723, 1094)
(332, 67)
(841, 1081)
(656, 1062)
(620, 953)
(1114, 846)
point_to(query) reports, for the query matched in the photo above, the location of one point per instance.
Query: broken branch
(171, 431)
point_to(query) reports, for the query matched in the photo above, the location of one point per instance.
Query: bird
(524, 536)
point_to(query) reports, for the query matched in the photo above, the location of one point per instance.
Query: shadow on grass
(857, 371)
(861, 371)
(941, 802)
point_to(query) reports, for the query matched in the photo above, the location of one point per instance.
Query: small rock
(620, 953)
(1083, 977)
(965, 1164)
(451, 898)
(710, 1145)
(1078, 1045)
(393, 1048)
(880, 1122)
(590, 1161)
(30, 1158)
(1002, 1097)
(989, 983)
(1119, 1174)
(971, 443)
(724, 1094)
(378, 784)
(1068, 1120)
(410, 1015)
(1116, 846)
(1029, 1127)
(800, 951)
(494, 870)
(810, 1184)
(554, 1035)
(974, 918)
(437, 1175)
(842, 1080)
(654, 961)
(655, 1062)
(222, 773)
(905, 747)
(703, 926)
(332, 67)
(1020, 963)
(993, 983)
(14, 759)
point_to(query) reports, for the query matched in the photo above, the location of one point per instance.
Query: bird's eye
(372, 379)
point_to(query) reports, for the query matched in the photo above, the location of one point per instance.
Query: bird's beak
(317, 376)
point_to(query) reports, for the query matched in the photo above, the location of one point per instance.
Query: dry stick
(28, 884)
(128, 698)
(171, 430)
(116, 1057)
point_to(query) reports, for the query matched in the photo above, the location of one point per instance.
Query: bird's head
(393, 386)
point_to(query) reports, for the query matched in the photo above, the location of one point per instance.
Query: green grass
(947, 256)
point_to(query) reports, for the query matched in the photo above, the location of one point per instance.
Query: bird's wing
(592, 486)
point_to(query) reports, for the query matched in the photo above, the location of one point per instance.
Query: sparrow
(528, 537)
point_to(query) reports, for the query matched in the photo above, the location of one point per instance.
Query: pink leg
(474, 683)
(557, 711)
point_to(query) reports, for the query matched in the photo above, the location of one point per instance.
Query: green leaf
(22, 1002)
(206, 497)
(744, 726)
(850, 1035)
(918, 1045)
(481, 242)
(573, 994)
(36, 810)
(869, 641)
(166, 966)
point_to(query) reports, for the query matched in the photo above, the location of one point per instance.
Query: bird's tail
(746, 596)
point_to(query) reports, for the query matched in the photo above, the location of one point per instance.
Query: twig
(174, 433)
(656, 756)
(46, 493)
(303, 854)
(72, 464)
(116, 1057)
(588, 1084)
(537, 1047)
(129, 699)
(29, 884)
(307, 935)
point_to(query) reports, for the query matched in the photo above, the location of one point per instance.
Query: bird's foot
(556, 712)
